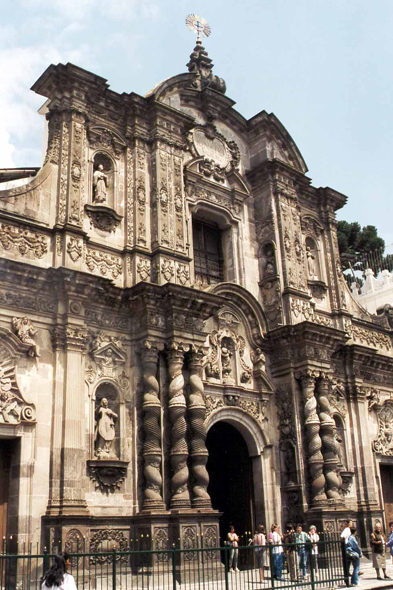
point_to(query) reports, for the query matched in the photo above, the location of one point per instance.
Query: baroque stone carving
(383, 444)
(161, 543)
(365, 336)
(25, 331)
(286, 413)
(13, 408)
(329, 442)
(74, 543)
(177, 411)
(105, 264)
(198, 452)
(338, 397)
(152, 453)
(100, 183)
(75, 249)
(225, 348)
(23, 240)
(143, 269)
(107, 475)
(105, 540)
(103, 218)
(108, 353)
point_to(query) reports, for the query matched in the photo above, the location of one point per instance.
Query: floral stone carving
(108, 353)
(103, 218)
(13, 408)
(107, 475)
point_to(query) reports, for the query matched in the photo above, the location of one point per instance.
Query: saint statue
(105, 431)
(310, 263)
(100, 183)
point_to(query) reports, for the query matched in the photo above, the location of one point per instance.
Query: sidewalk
(369, 580)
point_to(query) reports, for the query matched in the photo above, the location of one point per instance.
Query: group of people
(378, 544)
(292, 544)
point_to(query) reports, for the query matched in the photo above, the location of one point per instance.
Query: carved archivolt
(383, 444)
(254, 408)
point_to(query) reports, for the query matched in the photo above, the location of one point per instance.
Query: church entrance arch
(234, 468)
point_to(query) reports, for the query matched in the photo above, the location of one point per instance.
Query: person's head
(273, 527)
(55, 575)
(299, 528)
(353, 530)
(261, 529)
(347, 523)
(313, 529)
(231, 528)
(289, 527)
(391, 525)
(276, 527)
(378, 527)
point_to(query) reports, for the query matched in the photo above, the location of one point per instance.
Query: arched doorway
(231, 479)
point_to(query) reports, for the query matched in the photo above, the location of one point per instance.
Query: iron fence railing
(184, 569)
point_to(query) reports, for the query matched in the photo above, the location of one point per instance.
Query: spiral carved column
(151, 424)
(199, 453)
(177, 411)
(312, 425)
(329, 443)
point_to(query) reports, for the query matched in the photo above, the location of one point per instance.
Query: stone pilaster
(152, 453)
(329, 444)
(314, 443)
(199, 453)
(177, 411)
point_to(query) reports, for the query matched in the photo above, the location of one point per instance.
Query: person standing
(277, 552)
(56, 577)
(259, 542)
(301, 539)
(345, 533)
(390, 540)
(378, 546)
(233, 541)
(290, 550)
(314, 537)
(354, 554)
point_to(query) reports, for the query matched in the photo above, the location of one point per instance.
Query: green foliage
(355, 240)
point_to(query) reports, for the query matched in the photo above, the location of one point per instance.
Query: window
(208, 260)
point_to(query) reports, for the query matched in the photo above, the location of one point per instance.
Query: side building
(178, 346)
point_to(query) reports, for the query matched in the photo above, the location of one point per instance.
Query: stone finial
(201, 65)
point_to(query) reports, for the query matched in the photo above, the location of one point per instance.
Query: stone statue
(226, 361)
(25, 331)
(105, 431)
(100, 183)
(310, 263)
(258, 359)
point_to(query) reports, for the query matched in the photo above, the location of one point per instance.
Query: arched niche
(107, 435)
(267, 261)
(104, 180)
(313, 260)
(288, 463)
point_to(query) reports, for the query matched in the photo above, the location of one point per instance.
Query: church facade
(178, 346)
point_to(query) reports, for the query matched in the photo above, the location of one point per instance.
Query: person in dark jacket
(378, 546)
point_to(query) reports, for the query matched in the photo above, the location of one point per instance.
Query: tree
(360, 248)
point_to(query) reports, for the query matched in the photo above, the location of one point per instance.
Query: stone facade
(117, 355)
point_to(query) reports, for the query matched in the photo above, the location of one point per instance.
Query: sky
(323, 67)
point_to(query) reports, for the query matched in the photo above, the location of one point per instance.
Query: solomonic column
(177, 411)
(314, 445)
(329, 443)
(199, 453)
(152, 454)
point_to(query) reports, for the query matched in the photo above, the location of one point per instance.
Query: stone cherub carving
(25, 331)
(100, 183)
(105, 431)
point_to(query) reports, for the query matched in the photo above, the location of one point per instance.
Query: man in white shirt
(346, 532)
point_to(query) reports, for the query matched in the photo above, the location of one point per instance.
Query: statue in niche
(25, 331)
(270, 267)
(100, 184)
(258, 359)
(311, 263)
(289, 464)
(226, 362)
(105, 431)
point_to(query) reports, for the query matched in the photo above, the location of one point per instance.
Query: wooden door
(5, 462)
(387, 491)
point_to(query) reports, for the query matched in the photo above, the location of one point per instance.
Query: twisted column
(151, 424)
(329, 443)
(312, 425)
(177, 410)
(199, 453)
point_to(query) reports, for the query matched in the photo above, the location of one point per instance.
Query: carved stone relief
(23, 241)
(383, 444)
(13, 408)
(104, 540)
(107, 475)
(104, 264)
(25, 331)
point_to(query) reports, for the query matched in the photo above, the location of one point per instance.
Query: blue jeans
(302, 561)
(233, 556)
(355, 573)
(277, 565)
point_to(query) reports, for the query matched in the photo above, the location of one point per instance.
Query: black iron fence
(275, 567)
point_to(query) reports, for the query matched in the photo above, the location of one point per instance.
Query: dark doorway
(231, 482)
(387, 490)
(5, 464)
